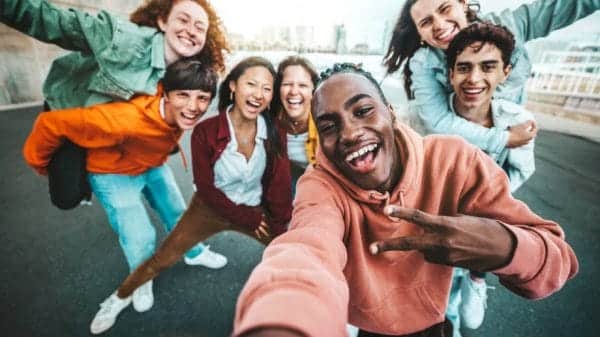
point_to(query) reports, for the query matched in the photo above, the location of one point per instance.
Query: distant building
(340, 40)
(360, 48)
(568, 82)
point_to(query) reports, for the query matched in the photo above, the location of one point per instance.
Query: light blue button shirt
(431, 87)
(518, 163)
(238, 178)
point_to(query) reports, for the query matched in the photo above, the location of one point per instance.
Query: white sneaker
(109, 310)
(143, 298)
(474, 302)
(208, 259)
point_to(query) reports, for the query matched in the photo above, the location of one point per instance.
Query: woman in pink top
(381, 219)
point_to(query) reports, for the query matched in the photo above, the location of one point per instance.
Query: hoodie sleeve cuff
(528, 257)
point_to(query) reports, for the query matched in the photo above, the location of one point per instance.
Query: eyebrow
(355, 99)
(438, 9)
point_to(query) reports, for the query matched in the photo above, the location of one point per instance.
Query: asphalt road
(57, 266)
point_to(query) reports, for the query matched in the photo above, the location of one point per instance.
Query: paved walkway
(57, 266)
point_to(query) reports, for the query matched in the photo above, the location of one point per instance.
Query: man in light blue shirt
(478, 62)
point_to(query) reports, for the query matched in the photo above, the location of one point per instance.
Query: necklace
(296, 127)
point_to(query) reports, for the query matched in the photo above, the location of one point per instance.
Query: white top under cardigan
(238, 178)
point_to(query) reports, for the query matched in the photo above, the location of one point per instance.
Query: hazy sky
(363, 19)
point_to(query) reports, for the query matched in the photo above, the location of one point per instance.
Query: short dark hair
(189, 74)
(352, 68)
(484, 32)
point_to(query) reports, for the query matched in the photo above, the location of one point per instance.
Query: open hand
(465, 241)
(262, 231)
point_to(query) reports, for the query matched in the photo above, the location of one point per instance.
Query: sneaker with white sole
(474, 302)
(143, 298)
(107, 315)
(208, 259)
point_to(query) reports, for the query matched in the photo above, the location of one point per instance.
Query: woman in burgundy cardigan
(241, 173)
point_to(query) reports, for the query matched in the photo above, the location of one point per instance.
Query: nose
(350, 134)
(475, 75)
(294, 89)
(436, 23)
(193, 105)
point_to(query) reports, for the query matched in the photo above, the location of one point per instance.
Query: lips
(186, 41)
(363, 159)
(472, 93)
(447, 35)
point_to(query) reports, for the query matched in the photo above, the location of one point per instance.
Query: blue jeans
(121, 197)
(452, 313)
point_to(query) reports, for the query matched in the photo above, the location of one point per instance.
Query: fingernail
(387, 210)
(374, 248)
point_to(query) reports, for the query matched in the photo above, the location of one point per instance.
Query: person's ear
(232, 86)
(507, 70)
(162, 24)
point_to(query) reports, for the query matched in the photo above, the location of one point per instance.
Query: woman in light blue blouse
(422, 33)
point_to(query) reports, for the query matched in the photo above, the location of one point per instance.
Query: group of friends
(364, 220)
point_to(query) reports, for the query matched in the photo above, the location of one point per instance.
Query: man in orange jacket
(128, 144)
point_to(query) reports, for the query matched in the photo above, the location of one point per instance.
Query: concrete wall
(24, 62)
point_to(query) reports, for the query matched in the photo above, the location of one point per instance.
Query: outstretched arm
(542, 17)
(69, 29)
(302, 266)
(93, 127)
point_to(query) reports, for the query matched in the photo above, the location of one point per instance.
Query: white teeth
(294, 101)
(186, 41)
(254, 104)
(360, 152)
(189, 116)
(473, 91)
(445, 34)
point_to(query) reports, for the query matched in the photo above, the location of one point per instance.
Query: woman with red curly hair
(113, 59)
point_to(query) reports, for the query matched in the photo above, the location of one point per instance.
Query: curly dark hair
(216, 42)
(496, 35)
(352, 68)
(406, 41)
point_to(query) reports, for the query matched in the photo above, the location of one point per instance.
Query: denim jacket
(431, 87)
(111, 59)
(518, 163)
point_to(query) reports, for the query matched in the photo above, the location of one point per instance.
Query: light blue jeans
(121, 197)
(452, 313)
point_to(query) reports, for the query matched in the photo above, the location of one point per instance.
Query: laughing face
(296, 92)
(477, 72)
(438, 21)
(252, 91)
(356, 131)
(185, 30)
(184, 108)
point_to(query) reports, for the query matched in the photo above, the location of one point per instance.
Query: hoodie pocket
(399, 309)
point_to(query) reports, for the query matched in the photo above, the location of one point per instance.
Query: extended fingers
(421, 242)
(428, 221)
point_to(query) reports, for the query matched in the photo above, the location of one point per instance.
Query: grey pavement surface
(57, 266)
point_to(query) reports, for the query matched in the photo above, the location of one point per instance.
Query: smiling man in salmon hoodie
(381, 219)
